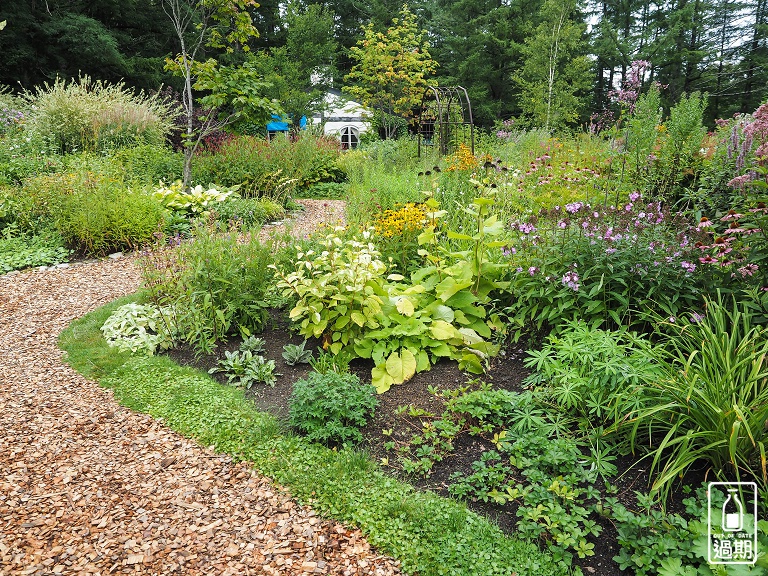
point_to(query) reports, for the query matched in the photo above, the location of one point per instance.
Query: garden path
(90, 487)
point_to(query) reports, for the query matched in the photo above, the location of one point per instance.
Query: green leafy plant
(94, 212)
(556, 499)
(296, 354)
(216, 283)
(711, 401)
(253, 344)
(273, 169)
(326, 362)
(19, 251)
(580, 369)
(138, 328)
(331, 407)
(245, 368)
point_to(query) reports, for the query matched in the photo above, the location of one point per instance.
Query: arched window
(350, 137)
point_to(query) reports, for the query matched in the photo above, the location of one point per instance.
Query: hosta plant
(195, 201)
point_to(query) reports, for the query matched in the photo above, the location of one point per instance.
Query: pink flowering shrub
(606, 265)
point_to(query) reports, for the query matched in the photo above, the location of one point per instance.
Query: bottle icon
(733, 512)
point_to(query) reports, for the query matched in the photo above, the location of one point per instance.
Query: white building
(343, 118)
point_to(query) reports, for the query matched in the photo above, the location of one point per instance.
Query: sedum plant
(138, 328)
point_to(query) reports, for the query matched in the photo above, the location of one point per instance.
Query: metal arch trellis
(445, 119)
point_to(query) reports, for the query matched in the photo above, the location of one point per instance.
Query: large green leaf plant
(405, 325)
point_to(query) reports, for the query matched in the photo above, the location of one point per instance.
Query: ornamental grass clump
(91, 115)
(711, 403)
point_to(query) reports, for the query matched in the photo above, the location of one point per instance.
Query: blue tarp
(278, 125)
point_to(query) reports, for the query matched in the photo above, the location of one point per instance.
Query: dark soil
(507, 371)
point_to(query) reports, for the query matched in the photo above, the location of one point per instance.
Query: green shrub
(216, 283)
(95, 213)
(273, 169)
(93, 115)
(149, 164)
(248, 212)
(331, 407)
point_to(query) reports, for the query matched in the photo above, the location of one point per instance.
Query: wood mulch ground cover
(90, 487)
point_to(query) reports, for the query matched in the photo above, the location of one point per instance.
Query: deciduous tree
(392, 69)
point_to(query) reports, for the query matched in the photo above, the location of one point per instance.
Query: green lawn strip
(427, 533)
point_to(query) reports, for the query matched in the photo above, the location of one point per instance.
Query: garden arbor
(445, 120)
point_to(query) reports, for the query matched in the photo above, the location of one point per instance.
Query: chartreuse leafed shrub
(711, 402)
(430, 535)
(331, 407)
(87, 114)
(216, 285)
(95, 213)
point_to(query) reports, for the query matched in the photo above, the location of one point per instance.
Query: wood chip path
(89, 487)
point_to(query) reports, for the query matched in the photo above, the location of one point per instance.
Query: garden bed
(506, 372)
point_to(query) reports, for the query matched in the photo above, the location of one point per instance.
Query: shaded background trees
(714, 46)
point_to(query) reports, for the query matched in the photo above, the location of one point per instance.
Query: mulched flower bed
(506, 372)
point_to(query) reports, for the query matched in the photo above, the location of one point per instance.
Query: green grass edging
(429, 534)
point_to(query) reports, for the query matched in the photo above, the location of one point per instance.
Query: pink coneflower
(761, 207)
(704, 222)
(732, 215)
(734, 228)
(707, 260)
